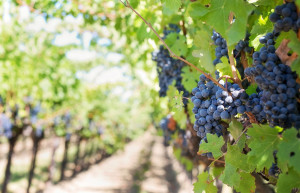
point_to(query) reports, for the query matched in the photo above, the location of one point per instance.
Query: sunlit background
(68, 76)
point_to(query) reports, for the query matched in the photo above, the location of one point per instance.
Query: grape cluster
(285, 17)
(39, 131)
(168, 68)
(34, 111)
(172, 28)
(212, 104)
(274, 170)
(243, 45)
(6, 126)
(166, 132)
(221, 49)
(278, 86)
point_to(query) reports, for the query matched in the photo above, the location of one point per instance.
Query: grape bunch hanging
(275, 101)
(168, 68)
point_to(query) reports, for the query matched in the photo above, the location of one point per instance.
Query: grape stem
(172, 54)
(244, 60)
(234, 71)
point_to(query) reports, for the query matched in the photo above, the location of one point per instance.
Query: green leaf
(237, 159)
(264, 140)
(188, 163)
(196, 10)
(214, 144)
(230, 176)
(224, 67)
(251, 89)
(235, 128)
(205, 183)
(177, 44)
(289, 150)
(171, 6)
(288, 181)
(247, 183)
(134, 3)
(189, 78)
(294, 43)
(176, 101)
(260, 28)
(204, 48)
(217, 171)
(296, 65)
(218, 15)
(190, 109)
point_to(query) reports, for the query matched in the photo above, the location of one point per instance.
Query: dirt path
(145, 166)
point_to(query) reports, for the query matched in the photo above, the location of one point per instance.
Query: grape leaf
(196, 10)
(214, 144)
(204, 183)
(218, 15)
(251, 89)
(267, 2)
(260, 28)
(134, 3)
(217, 171)
(235, 128)
(264, 141)
(175, 98)
(237, 159)
(176, 42)
(224, 67)
(288, 181)
(230, 176)
(289, 150)
(190, 109)
(247, 183)
(298, 3)
(171, 6)
(204, 49)
(296, 65)
(188, 163)
(189, 78)
(177, 105)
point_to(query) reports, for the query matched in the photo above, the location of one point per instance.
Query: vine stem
(215, 160)
(172, 54)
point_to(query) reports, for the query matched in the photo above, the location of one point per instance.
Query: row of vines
(47, 105)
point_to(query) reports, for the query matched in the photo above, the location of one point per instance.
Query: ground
(145, 166)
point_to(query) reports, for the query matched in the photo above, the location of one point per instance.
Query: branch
(227, 77)
(172, 54)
